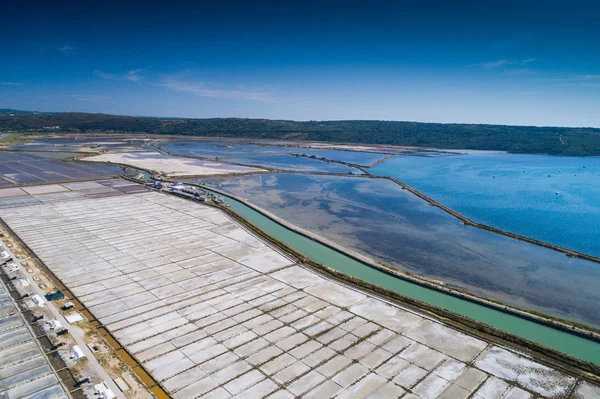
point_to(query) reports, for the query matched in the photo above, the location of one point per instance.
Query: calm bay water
(553, 199)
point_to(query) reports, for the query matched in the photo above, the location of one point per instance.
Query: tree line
(516, 139)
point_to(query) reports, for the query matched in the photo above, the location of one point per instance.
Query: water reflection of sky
(514, 192)
(271, 156)
(292, 163)
(218, 148)
(224, 148)
(379, 219)
(354, 157)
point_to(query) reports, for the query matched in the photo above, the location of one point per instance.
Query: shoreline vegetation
(514, 139)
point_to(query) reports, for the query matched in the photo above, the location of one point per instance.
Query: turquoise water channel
(562, 341)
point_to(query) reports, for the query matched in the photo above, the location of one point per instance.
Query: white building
(76, 353)
(104, 392)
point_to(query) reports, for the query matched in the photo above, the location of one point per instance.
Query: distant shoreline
(515, 139)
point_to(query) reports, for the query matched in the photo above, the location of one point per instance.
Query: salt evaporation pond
(379, 219)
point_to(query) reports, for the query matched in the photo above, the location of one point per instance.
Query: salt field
(218, 148)
(170, 165)
(379, 219)
(81, 144)
(42, 167)
(212, 311)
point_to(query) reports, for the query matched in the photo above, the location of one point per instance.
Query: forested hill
(519, 139)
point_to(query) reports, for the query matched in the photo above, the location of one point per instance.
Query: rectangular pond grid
(211, 311)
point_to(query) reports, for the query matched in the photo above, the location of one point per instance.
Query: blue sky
(509, 62)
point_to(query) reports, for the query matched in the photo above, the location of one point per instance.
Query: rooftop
(24, 369)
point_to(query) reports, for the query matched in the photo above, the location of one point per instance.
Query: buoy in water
(557, 193)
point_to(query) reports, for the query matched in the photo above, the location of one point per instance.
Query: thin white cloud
(182, 83)
(493, 64)
(105, 75)
(504, 63)
(202, 89)
(11, 83)
(587, 77)
(585, 80)
(588, 85)
(521, 71)
(132, 75)
(91, 98)
(65, 49)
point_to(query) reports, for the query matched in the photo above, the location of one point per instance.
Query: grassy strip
(11, 139)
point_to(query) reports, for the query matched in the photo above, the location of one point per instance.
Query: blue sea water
(549, 198)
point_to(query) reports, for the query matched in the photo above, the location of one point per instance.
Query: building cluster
(38, 356)
(186, 190)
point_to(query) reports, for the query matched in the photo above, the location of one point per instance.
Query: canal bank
(469, 222)
(562, 341)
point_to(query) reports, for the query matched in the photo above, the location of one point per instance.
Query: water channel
(562, 341)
